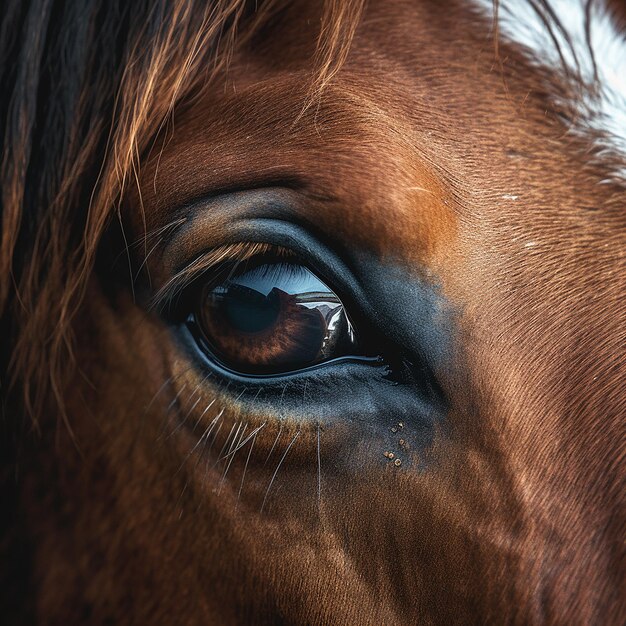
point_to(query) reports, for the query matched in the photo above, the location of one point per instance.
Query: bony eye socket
(274, 318)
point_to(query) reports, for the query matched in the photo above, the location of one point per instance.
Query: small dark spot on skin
(397, 462)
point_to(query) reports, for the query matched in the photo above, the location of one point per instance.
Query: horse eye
(274, 318)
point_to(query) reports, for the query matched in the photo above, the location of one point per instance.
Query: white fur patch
(602, 106)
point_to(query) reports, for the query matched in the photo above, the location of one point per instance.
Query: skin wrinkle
(347, 133)
(508, 510)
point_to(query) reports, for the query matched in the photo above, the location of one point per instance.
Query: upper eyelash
(273, 268)
(231, 253)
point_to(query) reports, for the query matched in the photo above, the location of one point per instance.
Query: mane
(87, 87)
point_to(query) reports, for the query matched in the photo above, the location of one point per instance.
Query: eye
(272, 316)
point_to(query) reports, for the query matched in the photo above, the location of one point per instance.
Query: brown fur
(410, 146)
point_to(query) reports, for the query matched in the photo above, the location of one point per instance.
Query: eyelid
(217, 221)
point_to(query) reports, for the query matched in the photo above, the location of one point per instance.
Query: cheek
(193, 474)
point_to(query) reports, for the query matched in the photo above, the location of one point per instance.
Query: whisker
(204, 437)
(277, 468)
(128, 256)
(142, 420)
(169, 380)
(158, 393)
(170, 406)
(282, 395)
(225, 443)
(173, 402)
(183, 421)
(180, 497)
(280, 430)
(230, 453)
(195, 404)
(208, 451)
(245, 467)
(235, 436)
(420, 189)
(243, 443)
(208, 406)
(230, 446)
(201, 455)
(241, 394)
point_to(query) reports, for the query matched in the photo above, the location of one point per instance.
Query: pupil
(249, 311)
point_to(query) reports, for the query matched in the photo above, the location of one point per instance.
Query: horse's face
(462, 477)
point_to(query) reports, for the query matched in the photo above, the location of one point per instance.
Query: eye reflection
(276, 317)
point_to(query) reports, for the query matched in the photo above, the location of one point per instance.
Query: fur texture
(468, 200)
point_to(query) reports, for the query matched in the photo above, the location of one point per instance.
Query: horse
(313, 311)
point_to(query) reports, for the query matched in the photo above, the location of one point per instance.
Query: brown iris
(274, 318)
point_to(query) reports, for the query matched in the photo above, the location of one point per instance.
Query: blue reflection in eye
(275, 317)
(288, 277)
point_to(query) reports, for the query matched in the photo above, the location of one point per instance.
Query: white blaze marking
(600, 107)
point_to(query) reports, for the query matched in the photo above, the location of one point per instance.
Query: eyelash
(168, 298)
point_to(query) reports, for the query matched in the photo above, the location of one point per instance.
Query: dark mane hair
(87, 85)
